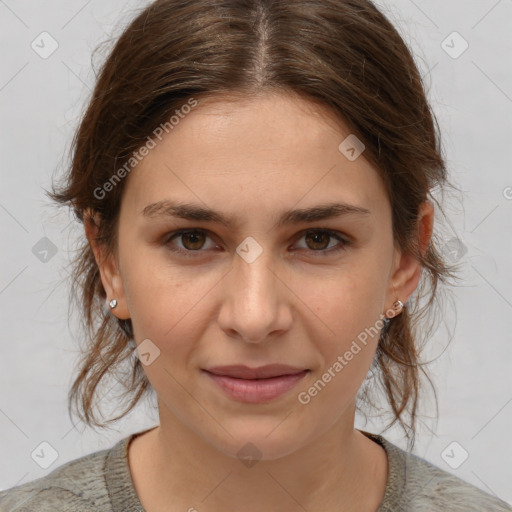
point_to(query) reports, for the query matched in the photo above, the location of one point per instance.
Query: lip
(259, 385)
(241, 371)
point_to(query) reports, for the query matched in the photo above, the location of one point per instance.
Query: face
(304, 289)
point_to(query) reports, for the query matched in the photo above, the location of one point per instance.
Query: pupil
(194, 236)
(316, 237)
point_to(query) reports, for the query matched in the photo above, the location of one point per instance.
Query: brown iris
(195, 237)
(317, 237)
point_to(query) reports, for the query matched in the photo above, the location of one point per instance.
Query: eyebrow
(189, 211)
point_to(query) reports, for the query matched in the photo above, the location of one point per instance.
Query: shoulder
(431, 488)
(417, 485)
(76, 486)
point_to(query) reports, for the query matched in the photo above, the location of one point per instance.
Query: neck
(340, 470)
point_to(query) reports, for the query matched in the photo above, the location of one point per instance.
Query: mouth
(256, 385)
(262, 372)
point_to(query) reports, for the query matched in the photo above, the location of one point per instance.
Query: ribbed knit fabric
(101, 482)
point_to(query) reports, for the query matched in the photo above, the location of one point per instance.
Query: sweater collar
(124, 498)
(395, 484)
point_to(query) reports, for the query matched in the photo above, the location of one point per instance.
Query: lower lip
(256, 391)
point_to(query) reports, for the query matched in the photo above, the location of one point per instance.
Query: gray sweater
(101, 482)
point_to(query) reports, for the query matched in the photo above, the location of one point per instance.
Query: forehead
(256, 154)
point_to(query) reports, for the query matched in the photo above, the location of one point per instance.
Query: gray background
(41, 100)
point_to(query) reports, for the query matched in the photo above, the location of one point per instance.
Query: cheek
(349, 306)
(346, 338)
(161, 296)
(172, 317)
(348, 302)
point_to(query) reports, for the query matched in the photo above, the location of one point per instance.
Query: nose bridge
(252, 271)
(253, 304)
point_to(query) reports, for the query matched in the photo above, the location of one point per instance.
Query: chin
(258, 440)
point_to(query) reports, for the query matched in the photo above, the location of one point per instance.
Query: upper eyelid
(335, 234)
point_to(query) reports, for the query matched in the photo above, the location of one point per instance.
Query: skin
(252, 159)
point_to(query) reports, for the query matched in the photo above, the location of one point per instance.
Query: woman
(254, 180)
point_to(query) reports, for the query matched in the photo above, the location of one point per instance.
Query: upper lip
(240, 371)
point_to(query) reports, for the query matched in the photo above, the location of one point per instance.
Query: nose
(255, 300)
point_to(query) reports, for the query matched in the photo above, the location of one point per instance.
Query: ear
(108, 267)
(407, 269)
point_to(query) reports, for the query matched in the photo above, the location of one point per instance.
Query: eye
(317, 241)
(193, 241)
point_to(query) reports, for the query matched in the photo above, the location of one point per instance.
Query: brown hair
(344, 54)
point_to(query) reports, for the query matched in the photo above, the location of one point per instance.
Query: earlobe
(109, 270)
(117, 294)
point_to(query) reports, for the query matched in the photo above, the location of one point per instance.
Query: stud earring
(112, 303)
(395, 310)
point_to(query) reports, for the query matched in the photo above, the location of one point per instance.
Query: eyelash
(320, 252)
